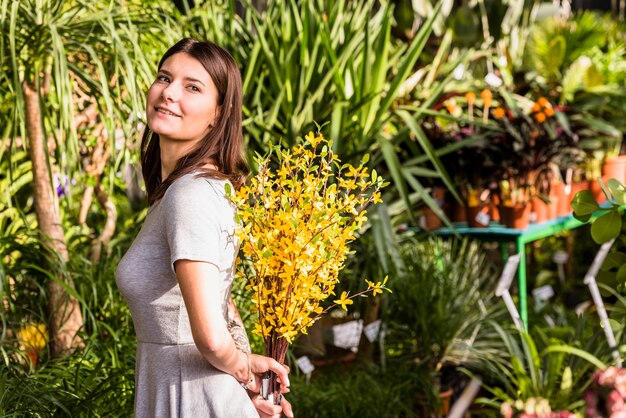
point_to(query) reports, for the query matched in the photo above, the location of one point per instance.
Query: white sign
(304, 364)
(371, 330)
(348, 335)
(543, 293)
(482, 218)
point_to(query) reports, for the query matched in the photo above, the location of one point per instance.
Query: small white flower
(493, 80)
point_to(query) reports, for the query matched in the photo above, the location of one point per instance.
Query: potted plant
(433, 315)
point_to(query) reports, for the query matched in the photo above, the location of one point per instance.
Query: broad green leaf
(615, 325)
(606, 227)
(584, 205)
(614, 260)
(618, 190)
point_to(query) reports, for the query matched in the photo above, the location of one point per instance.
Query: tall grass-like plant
(540, 367)
(442, 296)
(54, 54)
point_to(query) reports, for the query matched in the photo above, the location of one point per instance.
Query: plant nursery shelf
(497, 232)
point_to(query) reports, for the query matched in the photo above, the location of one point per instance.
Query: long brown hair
(223, 145)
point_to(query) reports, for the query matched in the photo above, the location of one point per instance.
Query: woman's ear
(218, 114)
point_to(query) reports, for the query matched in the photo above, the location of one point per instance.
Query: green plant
(61, 62)
(539, 367)
(439, 302)
(363, 390)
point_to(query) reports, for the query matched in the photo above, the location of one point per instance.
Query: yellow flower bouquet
(295, 226)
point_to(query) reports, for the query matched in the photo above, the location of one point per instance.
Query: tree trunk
(65, 317)
(109, 226)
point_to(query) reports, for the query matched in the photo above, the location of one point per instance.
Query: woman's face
(182, 101)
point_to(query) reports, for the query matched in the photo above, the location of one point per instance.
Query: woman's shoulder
(192, 183)
(191, 190)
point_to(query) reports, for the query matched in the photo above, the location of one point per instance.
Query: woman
(176, 276)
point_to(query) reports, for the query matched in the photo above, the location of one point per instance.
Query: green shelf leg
(521, 283)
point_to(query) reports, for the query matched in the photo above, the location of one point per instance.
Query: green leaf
(621, 274)
(374, 175)
(566, 380)
(584, 205)
(615, 325)
(577, 352)
(614, 260)
(606, 227)
(268, 253)
(618, 190)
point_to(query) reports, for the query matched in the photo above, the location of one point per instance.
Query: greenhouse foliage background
(379, 77)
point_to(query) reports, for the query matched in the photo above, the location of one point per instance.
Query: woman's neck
(171, 152)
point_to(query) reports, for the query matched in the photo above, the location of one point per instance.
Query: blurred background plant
(379, 76)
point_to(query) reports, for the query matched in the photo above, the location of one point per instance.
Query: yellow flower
(33, 335)
(296, 224)
(378, 287)
(344, 301)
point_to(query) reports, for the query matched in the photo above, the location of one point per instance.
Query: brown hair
(223, 144)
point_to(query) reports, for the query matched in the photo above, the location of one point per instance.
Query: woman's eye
(194, 88)
(163, 78)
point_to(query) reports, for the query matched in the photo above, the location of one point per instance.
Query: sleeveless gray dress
(193, 221)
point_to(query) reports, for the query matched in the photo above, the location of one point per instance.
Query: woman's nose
(171, 93)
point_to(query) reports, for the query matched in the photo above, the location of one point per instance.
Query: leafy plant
(440, 277)
(543, 367)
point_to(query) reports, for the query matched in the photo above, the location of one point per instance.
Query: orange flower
(540, 117)
(487, 97)
(450, 106)
(543, 102)
(470, 97)
(536, 108)
(549, 111)
(498, 113)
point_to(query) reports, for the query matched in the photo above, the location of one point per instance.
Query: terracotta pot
(457, 212)
(578, 187)
(596, 191)
(494, 212)
(615, 167)
(517, 216)
(539, 211)
(553, 205)
(431, 220)
(562, 199)
(478, 216)
(445, 398)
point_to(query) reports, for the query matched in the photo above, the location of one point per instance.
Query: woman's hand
(261, 364)
(266, 409)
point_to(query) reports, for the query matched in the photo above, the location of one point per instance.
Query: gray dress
(193, 221)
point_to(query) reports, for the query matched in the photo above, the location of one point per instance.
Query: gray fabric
(193, 221)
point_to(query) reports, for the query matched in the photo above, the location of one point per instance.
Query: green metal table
(500, 233)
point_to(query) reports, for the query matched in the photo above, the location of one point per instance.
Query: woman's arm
(236, 328)
(198, 283)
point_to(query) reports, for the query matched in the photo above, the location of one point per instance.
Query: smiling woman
(193, 356)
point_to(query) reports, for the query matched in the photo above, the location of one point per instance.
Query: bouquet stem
(275, 348)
